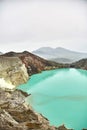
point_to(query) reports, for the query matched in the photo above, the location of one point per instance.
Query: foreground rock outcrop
(15, 114)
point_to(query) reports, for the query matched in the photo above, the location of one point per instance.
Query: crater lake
(59, 95)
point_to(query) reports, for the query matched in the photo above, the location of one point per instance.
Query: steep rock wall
(12, 71)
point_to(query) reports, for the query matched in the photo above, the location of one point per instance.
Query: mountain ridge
(59, 54)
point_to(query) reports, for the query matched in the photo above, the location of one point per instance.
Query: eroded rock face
(15, 68)
(33, 63)
(12, 72)
(15, 114)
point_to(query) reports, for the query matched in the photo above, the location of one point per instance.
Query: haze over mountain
(59, 54)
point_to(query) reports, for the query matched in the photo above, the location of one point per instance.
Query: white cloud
(33, 24)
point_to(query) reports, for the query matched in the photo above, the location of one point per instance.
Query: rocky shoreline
(15, 114)
(15, 69)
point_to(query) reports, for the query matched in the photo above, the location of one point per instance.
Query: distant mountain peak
(63, 49)
(59, 48)
(45, 48)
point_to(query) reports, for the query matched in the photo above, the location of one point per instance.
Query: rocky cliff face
(15, 68)
(12, 72)
(33, 63)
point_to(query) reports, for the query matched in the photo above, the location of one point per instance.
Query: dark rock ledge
(15, 114)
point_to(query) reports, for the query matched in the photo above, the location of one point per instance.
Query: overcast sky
(30, 24)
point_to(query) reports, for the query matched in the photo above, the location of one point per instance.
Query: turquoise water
(60, 95)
